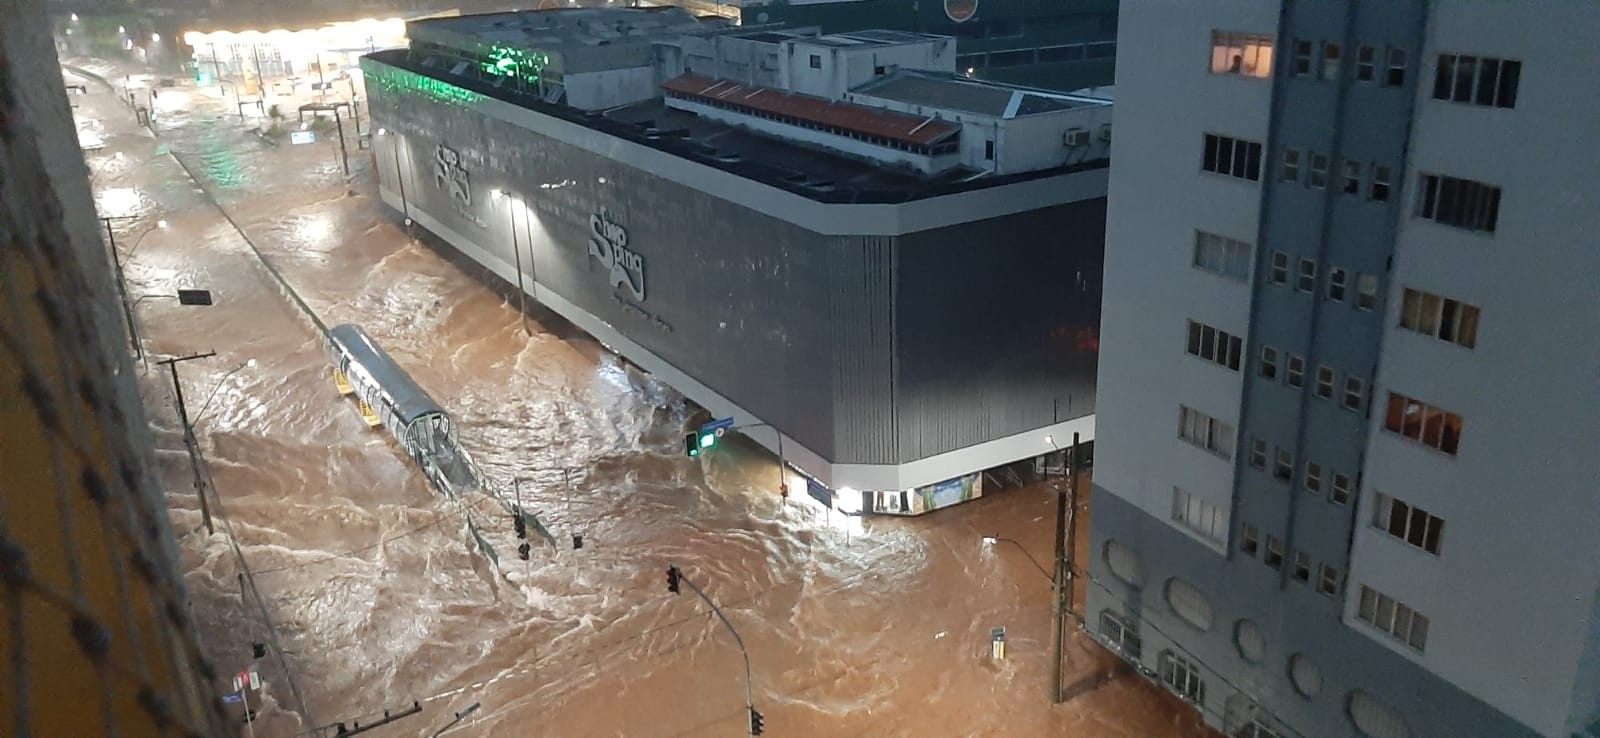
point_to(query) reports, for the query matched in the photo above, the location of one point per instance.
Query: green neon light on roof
(514, 63)
(402, 81)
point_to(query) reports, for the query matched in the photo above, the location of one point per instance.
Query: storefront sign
(819, 493)
(608, 243)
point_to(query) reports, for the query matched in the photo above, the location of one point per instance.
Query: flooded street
(380, 596)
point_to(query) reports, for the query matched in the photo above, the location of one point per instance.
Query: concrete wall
(1518, 498)
(610, 88)
(847, 67)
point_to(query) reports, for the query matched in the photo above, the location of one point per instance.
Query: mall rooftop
(869, 110)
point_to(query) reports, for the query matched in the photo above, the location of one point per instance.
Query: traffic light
(577, 541)
(520, 524)
(523, 551)
(756, 721)
(694, 443)
(672, 580)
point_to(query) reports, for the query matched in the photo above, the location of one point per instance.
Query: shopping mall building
(896, 267)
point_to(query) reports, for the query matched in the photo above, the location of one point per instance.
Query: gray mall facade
(893, 344)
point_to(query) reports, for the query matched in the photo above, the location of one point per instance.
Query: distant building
(1059, 45)
(894, 266)
(1347, 399)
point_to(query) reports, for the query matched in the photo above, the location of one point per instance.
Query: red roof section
(909, 129)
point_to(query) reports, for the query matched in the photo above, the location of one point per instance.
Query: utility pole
(188, 433)
(674, 578)
(1062, 582)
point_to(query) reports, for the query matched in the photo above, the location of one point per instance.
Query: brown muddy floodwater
(869, 628)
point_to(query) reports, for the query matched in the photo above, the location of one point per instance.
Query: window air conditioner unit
(1105, 132)
(1075, 137)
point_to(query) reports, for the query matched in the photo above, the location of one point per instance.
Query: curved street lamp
(213, 395)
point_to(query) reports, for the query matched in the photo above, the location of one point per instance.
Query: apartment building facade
(1348, 387)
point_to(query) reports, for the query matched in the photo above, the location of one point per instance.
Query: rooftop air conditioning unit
(1075, 137)
(1105, 132)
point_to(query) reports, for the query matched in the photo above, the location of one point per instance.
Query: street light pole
(122, 286)
(344, 156)
(516, 249)
(188, 433)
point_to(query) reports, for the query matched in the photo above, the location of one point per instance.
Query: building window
(1380, 183)
(1120, 633)
(1291, 165)
(1258, 453)
(1393, 617)
(1365, 67)
(1280, 268)
(1182, 676)
(1302, 58)
(1440, 317)
(1319, 171)
(1352, 177)
(1336, 283)
(1269, 362)
(1244, 54)
(1274, 555)
(1328, 581)
(1216, 346)
(816, 61)
(1306, 277)
(1302, 566)
(1324, 388)
(1374, 719)
(1251, 642)
(1367, 292)
(1124, 563)
(988, 151)
(1233, 157)
(1330, 60)
(1248, 539)
(1305, 675)
(1205, 431)
(1340, 494)
(1313, 478)
(1408, 523)
(1430, 426)
(1202, 517)
(1355, 393)
(1283, 467)
(1477, 80)
(1221, 255)
(1395, 75)
(1258, 729)
(1297, 371)
(1189, 603)
(1457, 202)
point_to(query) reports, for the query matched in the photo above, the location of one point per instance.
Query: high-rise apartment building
(1347, 402)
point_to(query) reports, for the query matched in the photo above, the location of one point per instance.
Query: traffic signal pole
(674, 577)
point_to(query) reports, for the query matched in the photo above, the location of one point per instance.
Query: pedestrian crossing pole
(1062, 582)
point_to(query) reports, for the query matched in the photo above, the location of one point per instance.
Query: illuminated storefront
(317, 55)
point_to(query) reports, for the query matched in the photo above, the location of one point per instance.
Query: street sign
(719, 424)
(302, 137)
(232, 699)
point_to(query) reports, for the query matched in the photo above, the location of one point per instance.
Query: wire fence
(95, 632)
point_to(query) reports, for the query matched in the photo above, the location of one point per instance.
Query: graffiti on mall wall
(449, 175)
